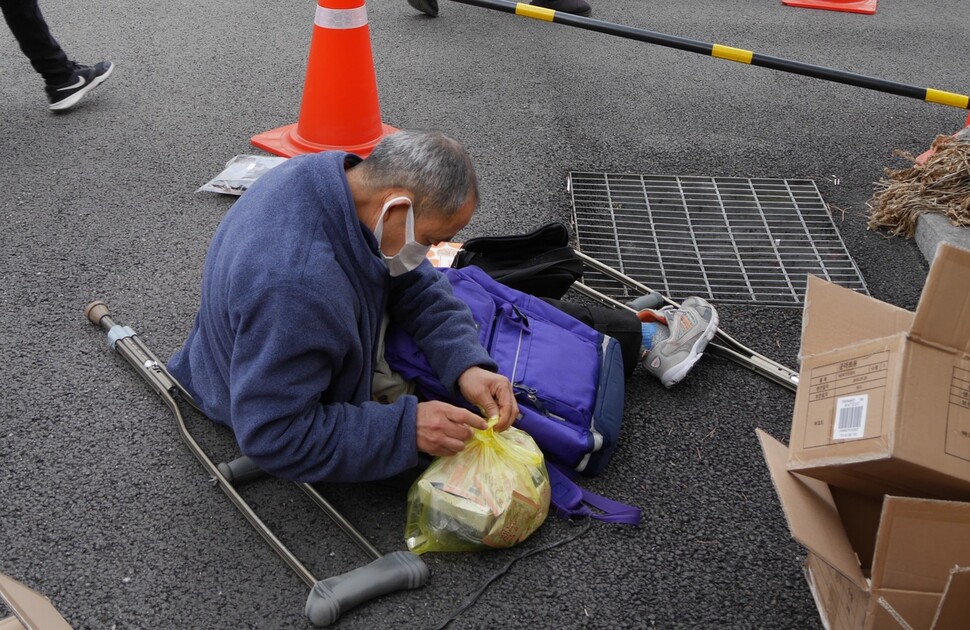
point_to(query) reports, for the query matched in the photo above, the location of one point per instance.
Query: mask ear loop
(408, 225)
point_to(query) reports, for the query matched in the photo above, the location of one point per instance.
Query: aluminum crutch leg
(328, 598)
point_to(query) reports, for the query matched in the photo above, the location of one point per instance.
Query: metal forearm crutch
(328, 598)
(723, 345)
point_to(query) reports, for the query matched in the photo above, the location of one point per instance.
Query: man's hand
(443, 429)
(492, 392)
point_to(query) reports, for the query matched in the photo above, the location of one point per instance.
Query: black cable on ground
(473, 597)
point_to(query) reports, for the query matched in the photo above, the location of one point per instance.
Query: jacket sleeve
(289, 346)
(422, 303)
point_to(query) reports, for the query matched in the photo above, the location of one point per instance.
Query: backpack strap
(571, 501)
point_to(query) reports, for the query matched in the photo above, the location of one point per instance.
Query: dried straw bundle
(941, 184)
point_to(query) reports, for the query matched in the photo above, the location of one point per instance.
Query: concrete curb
(933, 229)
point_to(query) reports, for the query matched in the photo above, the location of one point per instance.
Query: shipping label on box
(846, 399)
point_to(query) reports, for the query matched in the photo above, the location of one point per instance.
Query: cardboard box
(30, 608)
(883, 404)
(877, 562)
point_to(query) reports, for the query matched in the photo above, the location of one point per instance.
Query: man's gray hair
(434, 167)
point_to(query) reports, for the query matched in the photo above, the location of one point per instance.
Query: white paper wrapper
(239, 174)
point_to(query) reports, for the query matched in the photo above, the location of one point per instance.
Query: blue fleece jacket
(283, 346)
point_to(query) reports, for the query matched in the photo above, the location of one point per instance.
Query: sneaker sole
(428, 7)
(73, 99)
(676, 374)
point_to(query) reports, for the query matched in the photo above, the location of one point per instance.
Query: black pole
(740, 55)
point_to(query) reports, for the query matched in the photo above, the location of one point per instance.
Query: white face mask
(412, 252)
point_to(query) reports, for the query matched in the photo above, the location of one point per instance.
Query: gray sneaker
(690, 328)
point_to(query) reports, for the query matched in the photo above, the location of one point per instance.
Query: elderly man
(298, 283)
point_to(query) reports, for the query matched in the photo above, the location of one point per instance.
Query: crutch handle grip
(240, 471)
(333, 596)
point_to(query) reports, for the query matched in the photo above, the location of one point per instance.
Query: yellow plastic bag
(494, 493)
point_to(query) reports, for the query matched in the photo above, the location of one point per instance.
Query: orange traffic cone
(925, 155)
(867, 7)
(340, 109)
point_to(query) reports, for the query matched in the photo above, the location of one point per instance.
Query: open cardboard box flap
(811, 513)
(911, 611)
(836, 318)
(826, 326)
(918, 550)
(919, 541)
(32, 609)
(954, 610)
(943, 314)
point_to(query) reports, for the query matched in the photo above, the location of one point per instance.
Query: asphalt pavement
(105, 511)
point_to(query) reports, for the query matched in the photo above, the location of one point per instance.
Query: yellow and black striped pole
(961, 101)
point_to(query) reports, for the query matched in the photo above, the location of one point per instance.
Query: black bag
(539, 263)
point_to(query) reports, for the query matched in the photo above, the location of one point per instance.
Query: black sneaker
(576, 7)
(428, 7)
(85, 79)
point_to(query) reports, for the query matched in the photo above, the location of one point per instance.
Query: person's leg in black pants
(622, 325)
(29, 28)
(67, 82)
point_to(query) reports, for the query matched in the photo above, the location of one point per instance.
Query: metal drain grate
(725, 239)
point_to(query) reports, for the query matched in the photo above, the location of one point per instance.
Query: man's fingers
(473, 420)
(449, 446)
(506, 407)
(492, 393)
(458, 430)
(490, 409)
(510, 405)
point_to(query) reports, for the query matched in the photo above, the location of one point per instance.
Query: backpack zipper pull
(522, 317)
(531, 395)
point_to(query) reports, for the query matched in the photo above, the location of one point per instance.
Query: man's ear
(397, 206)
(396, 197)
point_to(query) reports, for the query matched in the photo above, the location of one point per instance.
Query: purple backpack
(567, 377)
